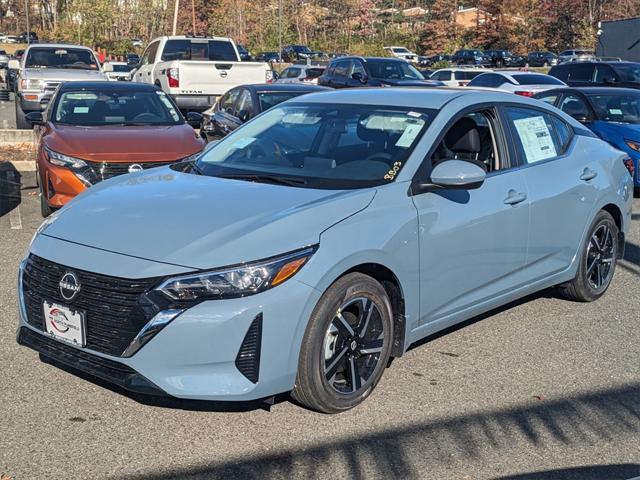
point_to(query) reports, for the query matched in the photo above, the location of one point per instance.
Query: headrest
(463, 137)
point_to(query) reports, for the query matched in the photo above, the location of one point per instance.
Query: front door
(473, 243)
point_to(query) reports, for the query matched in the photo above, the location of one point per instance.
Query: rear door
(580, 74)
(561, 181)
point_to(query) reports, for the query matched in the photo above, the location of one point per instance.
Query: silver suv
(45, 66)
(579, 55)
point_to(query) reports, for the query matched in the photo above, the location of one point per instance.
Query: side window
(574, 106)
(580, 73)
(227, 101)
(243, 103)
(341, 69)
(472, 138)
(285, 73)
(149, 55)
(604, 74)
(561, 73)
(330, 71)
(294, 72)
(359, 68)
(444, 75)
(563, 132)
(534, 134)
(549, 98)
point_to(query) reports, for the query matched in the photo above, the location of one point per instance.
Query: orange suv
(92, 131)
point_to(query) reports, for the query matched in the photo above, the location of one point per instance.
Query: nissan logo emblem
(135, 167)
(69, 286)
(223, 73)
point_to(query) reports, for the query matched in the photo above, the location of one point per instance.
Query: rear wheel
(21, 118)
(597, 261)
(346, 346)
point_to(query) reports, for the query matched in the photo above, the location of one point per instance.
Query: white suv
(457, 77)
(301, 74)
(402, 52)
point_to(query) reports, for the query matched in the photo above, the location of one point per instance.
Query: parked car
(94, 131)
(542, 59)
(241, 104)
(133, 59)
(136, 42)
(578, 55)
(12, 39)
(304, 250)
(3, 37)
(28, 37)
(245, 55)
(301, 74)
(430, 61)
(18, 54)
(292, 53)
(613, 114)
(526, 84)
(121, 71)
(457, 77)
(268, 57)
(401, 52)
(349, 72)
(44, 67)
(599, 74)
(470, 57)
(196, 71)
(504, 58)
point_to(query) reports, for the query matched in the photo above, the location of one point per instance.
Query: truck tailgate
(215, 78)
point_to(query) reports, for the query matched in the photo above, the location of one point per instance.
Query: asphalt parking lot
(542, 389)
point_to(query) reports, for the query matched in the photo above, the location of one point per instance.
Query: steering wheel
(145, 117)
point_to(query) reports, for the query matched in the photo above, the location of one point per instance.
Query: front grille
(51, 86)
(106, 170)
(114, 315)
(113, 372)
(248, 358)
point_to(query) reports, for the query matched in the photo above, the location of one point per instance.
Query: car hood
(64, 74)
(124, 143)
(626, 130)
(411, 83)
(200, 222)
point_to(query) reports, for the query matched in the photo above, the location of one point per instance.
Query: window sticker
(536, 138)
(80, 109)
(409, 135)
(615, 111)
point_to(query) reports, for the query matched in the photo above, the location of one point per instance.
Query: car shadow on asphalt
(10, 188)
(407, 452)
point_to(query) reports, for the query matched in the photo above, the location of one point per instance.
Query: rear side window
(580, 73)
(536, 79)
(341, 69)
(535, 134)
(561, 73)
(293, 72)
(467, 75)
(443, 75)
(314, 72)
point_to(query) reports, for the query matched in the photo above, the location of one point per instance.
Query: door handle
(588, 174)
(514, 198)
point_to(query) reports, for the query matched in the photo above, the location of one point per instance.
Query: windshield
(628, 72)
(621, 108)
(301, 49)
(202, 50)
(122, 68)
(80, 58)
(115, 107)
(393, 70)
(318, 145)
(400, 50)
(536, 79)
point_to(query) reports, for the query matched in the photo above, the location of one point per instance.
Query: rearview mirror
(194, 119)
(14, 64)
(458, 174)
(35, 118)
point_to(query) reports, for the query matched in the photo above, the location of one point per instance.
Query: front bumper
(60, 184)
(33, 101)
(199, 355)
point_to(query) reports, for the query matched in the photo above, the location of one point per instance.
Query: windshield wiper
(265, 178)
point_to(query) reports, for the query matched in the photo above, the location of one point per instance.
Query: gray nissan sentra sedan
(320, 239)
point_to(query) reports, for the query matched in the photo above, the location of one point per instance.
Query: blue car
(321, 238)
(613, 114)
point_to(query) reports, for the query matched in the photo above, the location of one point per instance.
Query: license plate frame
(65, 323)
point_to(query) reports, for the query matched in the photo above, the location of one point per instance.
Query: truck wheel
(21, 119)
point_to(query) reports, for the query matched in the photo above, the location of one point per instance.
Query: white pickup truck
(195, 71)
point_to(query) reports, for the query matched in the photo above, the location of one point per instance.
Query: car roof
(105, 85)
(57, 45)
(368, 59)
(434, 98)
(594, 90)
(283, 87)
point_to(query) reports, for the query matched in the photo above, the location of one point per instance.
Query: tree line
(353, 26)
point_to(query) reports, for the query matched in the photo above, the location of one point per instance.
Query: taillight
(173, 76)
(630, 166)
(524, 93)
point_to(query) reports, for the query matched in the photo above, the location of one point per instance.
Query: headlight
(240, 281)
(633, 145)
(63, 160)
(31, 84)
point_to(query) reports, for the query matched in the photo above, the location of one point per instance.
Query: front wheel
(21, 118)
(346, 346)
(598, 258)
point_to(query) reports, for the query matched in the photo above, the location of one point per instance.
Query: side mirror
(458, 174)
(194, 119)
(35, 118)
(244, 115)
(14, 64)
(358, 76)
(609, 80)
(581, 117)
(107, 67)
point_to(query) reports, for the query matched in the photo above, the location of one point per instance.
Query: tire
(45, 208)
(636, 192)
(330, 354)
(598, 257)
(21, 119)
